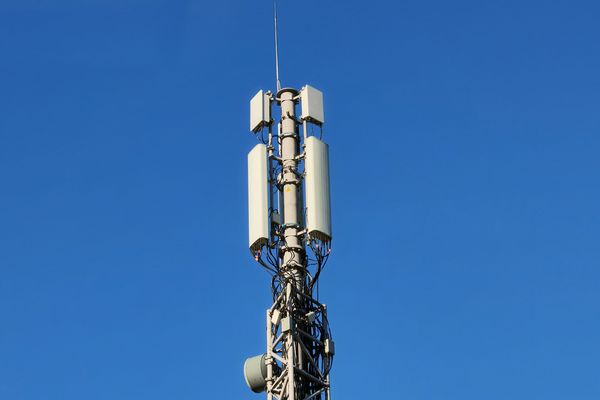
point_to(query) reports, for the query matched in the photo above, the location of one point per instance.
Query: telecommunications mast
(290, 236)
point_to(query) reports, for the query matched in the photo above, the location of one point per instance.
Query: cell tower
(290, 236)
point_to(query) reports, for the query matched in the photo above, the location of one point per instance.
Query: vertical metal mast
(292, 266)
(290, 236)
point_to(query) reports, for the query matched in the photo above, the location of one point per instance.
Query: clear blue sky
(465, 142)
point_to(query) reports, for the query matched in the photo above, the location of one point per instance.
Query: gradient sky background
(465, 142)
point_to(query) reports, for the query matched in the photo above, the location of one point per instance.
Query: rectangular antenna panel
(316, 182)
(312, 104)
(260, 111)
(258, 199)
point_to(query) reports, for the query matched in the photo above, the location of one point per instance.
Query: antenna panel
(318, 206)
(258, 203)
(260, 111)
(312, 105)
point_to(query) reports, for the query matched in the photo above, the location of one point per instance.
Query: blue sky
(464, 141)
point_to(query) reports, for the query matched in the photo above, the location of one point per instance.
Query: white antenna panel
(316, 182)
(258, 199)
(260, 111)
(312, 105)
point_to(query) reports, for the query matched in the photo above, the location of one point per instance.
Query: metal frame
(297, 363)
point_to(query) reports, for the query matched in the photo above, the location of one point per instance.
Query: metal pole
(269, 359)
(293, 249)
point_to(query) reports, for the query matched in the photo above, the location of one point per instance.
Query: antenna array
(290, 236)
